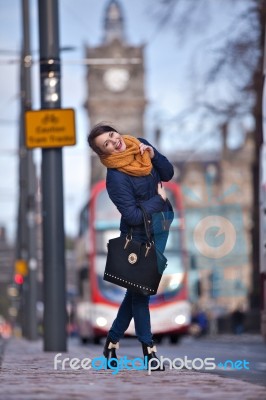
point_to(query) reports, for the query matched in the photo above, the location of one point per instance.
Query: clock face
(116, 79)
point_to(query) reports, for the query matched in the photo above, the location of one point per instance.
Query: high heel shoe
(109, 351)
(150, 352)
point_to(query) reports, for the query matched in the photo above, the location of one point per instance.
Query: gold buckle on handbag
(148, 247)
(132, 258)
(128, 239)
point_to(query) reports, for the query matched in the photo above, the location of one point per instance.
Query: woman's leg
(123, 318)
(141, 315)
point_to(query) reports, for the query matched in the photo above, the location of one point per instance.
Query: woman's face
(110, 143)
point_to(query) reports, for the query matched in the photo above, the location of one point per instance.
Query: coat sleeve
(161, 163)
(121, 192)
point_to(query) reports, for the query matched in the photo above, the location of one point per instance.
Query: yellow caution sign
(50, 128)
(21, 267)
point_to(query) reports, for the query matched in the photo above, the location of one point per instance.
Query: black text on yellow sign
(50, 128)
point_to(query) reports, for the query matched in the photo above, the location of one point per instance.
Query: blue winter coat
(127, 192)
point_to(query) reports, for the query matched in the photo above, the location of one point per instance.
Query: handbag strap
(146, 223)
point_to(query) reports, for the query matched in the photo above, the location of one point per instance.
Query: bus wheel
(158, 338)
(84, 340)
(96, 340)
(174, 339)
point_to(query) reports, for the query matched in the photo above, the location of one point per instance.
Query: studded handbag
(135, 265)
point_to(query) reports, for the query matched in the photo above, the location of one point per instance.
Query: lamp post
(52, 187)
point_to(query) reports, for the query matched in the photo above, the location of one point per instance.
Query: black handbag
(135, 265)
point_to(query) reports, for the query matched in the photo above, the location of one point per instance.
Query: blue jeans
(134, 305)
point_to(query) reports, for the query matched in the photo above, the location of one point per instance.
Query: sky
(168, 87)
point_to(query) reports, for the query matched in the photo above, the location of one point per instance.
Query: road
(222, 347)
(29, 373)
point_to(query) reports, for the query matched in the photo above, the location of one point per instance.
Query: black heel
(109, 351)
(149, 351)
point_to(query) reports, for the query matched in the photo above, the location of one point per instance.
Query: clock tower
(115, 81)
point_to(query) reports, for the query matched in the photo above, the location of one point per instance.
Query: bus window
(105, 211)
(106, 227)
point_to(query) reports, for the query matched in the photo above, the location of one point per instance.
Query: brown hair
(96, 131)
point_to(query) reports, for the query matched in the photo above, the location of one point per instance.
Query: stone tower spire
(113, 22)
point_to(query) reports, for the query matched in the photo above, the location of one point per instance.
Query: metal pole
(52, 187)
(263, 205)
(21, 248)
(30, 292)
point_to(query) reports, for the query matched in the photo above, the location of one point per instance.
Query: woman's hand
(143, 147)
(161, 191)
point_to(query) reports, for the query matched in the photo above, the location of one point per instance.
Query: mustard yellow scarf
(129, 161)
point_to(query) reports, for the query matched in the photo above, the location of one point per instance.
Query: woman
(135, 170)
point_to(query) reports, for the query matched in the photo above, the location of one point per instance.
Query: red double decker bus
(169, 308)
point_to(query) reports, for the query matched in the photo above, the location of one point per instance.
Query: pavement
(27, 372)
